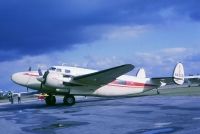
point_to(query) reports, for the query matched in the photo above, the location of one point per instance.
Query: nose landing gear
(50, 100)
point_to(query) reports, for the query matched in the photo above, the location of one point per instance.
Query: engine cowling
(55, 80)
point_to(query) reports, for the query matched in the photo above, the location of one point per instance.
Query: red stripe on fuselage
(128, 86)
(131, 83)
(31, 74)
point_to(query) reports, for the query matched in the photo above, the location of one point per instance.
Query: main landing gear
(67, 100)
(157, 91)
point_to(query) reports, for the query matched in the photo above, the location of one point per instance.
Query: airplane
(75, 81)
(193, 79)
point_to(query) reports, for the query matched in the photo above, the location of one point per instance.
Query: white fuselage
(123, 85)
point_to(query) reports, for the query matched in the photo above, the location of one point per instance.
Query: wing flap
(103, 77)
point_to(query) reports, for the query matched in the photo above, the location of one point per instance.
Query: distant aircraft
(7, 94)
(74, 81)
(194, 79)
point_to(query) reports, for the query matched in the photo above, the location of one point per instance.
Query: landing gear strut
(69, 100)
(157, 91)
(50, 100)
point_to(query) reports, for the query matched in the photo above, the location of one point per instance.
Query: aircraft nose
(19, 78)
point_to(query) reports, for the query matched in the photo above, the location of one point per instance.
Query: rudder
(179, 74)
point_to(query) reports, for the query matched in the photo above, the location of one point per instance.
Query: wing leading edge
(103, 77)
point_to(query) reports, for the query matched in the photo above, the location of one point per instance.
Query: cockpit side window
(67, 71)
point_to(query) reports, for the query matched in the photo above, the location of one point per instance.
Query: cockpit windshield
(52, 68)
(67, 71)
(57, 69)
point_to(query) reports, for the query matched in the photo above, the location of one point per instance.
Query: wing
(193, 79)
(103, 77)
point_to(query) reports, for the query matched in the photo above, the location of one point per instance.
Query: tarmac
(175, 110)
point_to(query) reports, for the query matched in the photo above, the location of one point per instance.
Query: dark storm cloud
(31, 27)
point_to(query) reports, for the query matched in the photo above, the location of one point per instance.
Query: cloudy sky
(98, 34)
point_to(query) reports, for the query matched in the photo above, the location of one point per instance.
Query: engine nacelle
(55, 80)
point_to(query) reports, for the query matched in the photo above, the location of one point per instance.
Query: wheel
(50, 100)
(69, 100)
(53, 100)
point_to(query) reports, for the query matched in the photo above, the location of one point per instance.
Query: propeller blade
(41, 85)
(42, 78)
(45, 76)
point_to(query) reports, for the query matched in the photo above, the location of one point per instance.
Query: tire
(53, 100)
(50, 100)
(69, 100)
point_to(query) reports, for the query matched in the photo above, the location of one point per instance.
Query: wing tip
(129, 66)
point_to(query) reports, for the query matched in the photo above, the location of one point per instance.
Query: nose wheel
(50, 100)
(69, 100)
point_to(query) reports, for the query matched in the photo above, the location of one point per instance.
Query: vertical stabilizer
(179, 74)
(141, 73)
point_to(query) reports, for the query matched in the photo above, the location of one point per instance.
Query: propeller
(42, 78)
(29, 69)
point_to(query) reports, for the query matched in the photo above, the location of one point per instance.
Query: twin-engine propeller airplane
(75, 81)
(194, 79)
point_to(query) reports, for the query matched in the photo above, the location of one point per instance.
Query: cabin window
(122, 82)
(67, 76)
(58, 70)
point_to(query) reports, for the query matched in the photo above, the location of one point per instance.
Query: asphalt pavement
(145, 114)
